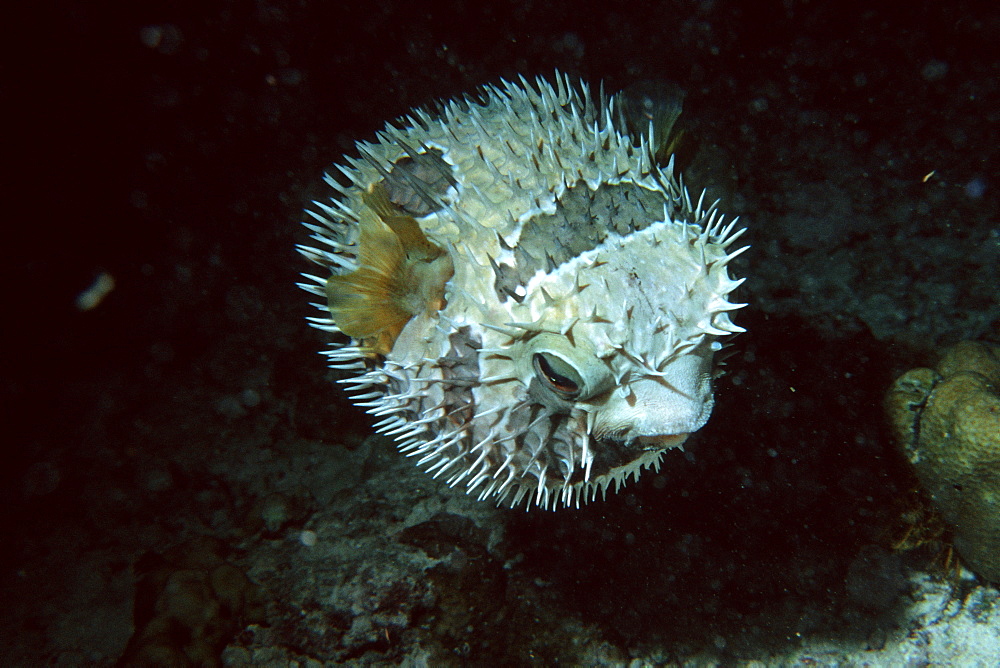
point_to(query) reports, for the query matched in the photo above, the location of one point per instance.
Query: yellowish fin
(401, 274)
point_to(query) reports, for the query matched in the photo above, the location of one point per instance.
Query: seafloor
(172, 147)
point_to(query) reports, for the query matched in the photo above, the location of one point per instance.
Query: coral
(189, 602)
(947, 423)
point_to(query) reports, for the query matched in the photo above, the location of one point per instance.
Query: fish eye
(558, 374)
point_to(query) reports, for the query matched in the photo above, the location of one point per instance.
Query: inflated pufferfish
(533, 305)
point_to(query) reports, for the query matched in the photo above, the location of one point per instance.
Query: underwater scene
(503, 334)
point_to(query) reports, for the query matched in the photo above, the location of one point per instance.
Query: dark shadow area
(770, 528)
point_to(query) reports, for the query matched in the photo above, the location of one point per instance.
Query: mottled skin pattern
(521, 320)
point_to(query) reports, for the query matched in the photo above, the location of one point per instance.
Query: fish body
(528, 303)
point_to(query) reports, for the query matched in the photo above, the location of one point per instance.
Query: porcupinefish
(527, 301)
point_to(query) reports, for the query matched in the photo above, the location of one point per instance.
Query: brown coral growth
(947, 423)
